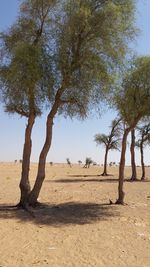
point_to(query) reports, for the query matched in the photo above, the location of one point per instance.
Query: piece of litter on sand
(140, 234)
(140, 224)
(51, 248)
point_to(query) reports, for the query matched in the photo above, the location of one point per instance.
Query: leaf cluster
(92, 41)
(133, 100)
(144, 135)
(26, 78)
(112, 140)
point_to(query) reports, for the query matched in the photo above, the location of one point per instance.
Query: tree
(132, 150)
(88, 162)
(79, 162)
(110, 142)
(68, 162)
(92, 39)
(25, 73)
(144, 139)
(85, 42)
(133, 103)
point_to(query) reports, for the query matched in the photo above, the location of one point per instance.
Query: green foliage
(73, 45)
(143, 135)
(92, 42)
(26, 78)
(88, 162)
(133, 100)
(112, 140)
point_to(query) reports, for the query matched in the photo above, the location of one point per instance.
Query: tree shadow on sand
(70, 213)
(81, 180)
(98, 180)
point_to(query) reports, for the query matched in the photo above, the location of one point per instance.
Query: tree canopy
(25, 67)
(110, 141)
(92, 41)
(133, 99)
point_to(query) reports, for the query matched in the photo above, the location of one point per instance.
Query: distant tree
(110, 141)
(143, 141)
(51, 163)
(112, 164)
(68, 162)
(133, 102)
(132, 150)
(88, 162)
(79, 162)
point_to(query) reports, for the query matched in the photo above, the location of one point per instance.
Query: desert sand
(77, 227)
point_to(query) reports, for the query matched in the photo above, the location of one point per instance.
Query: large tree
(110, 141)
(85, 42)
(88, 47)
(133, 103)
(25, 72)
(91, 41)
(143, 140)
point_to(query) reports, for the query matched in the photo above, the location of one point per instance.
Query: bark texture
(24, 182)
(132, 150)
(142, 161)
(33, 197)
(121, 193)
(105, 163)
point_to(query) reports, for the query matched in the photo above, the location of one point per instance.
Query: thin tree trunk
(24, 182)
(121, 193)
(142, 161)
(132, 150)
(41, 165)
(42, 159)
(105, 163)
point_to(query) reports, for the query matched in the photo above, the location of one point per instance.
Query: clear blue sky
(71, 138)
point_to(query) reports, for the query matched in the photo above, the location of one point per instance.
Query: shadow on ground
(98, 180)
(82, 180)
(62, 214)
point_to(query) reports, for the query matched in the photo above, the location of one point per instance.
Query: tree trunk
(41, 165)
(32, 200)
(105, 163)
(142, 161)
(121, 194)
(24, 182)
(132, 150)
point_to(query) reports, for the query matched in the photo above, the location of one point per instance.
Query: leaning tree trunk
(33, 197)
(142, 161)
(41, 165)
(24, 182)
(121, 194)
(132, 150)
(105, 163)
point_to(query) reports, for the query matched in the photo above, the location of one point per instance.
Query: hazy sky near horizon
(71, 138)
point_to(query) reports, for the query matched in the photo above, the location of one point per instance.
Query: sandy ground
(77, 227)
